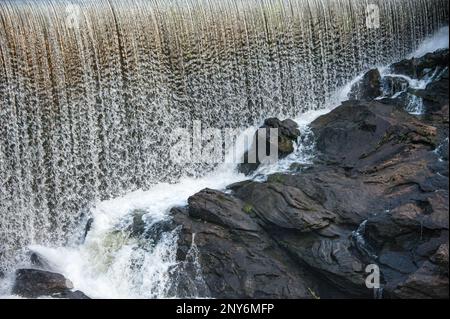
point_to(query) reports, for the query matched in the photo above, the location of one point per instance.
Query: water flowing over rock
(377, 194)
(369, 87)
(90, 90)
(419, 67)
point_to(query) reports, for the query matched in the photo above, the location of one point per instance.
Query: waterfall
(90, 90)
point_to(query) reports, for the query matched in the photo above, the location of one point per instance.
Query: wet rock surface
(369, 87)
(287, 135)
(420, 67)
(34, 283)
(377, 193)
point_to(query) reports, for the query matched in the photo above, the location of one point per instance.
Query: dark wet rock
(77, 294)
(392, 85)
(88, 227)
(221, 209)
(368, 88)
(284, 206)
(424, 283)
(316, 231)
(287, 128)
(330, 258)
(440, 258)
(399, 101)
(360, 134)
(138, 224)
(420, 67)
(40, 261)
(234, 262)
(287, 135)
(435, 95)
(377, 193)
(34, 283)
(432, 68)
(236, 257)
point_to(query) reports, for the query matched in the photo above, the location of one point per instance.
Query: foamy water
(104, 265)
(415, 103)
(112, 264)
(436, 42)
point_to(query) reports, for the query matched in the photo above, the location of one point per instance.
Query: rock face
(393, 85)
(377, 194)
(435, 94)
(287, 135)
(368, 88)
(238, 258)
(33, 283)
(418, 68)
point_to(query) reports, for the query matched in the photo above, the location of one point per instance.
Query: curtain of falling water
(90, 90)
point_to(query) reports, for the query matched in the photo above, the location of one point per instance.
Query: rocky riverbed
(376, 194)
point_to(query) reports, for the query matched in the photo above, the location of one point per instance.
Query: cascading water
(90, 91)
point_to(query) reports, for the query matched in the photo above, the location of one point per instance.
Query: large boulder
(215, 207)
(34, 283)
(359, 134)
(301, 214)
(284, 206)
(368, 88)
(226, 254)
(287, 135)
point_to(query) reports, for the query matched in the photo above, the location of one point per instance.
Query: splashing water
(415, 104)
(111, 263)
(90, 91)
(437, 41)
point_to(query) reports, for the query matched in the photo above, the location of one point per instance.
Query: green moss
(403, 137)
(285, 146)
(247, 208)
(222, 198)
(276, 178)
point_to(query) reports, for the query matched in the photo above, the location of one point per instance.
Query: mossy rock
(248, 208)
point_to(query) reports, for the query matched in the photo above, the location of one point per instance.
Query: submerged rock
(34, 283)
(287, 135)
(138, 224)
